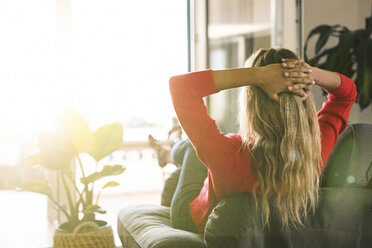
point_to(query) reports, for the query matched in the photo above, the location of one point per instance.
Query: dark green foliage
(352, 56)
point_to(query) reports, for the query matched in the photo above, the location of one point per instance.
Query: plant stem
(60, 207)
(74, 216)
(73, 182)
(76, 188)
(95, 170)
(97, 199)
(81, 165)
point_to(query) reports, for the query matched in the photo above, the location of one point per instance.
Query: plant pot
(102, 237)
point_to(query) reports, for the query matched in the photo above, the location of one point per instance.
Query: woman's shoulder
(236, 141)
(239, 140)
(234, 137)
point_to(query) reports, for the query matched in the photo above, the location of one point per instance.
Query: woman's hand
(328, 80)
(275, 80)
(300, 74)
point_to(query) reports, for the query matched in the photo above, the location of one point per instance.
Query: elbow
(172, 80)
(173, 84)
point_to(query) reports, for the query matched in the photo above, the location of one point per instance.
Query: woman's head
(286, 144)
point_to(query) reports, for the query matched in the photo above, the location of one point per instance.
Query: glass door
(233, 30)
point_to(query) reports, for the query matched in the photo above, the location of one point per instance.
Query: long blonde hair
(285, 141)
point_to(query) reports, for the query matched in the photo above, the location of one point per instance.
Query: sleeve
(187, 93)
(334, 114)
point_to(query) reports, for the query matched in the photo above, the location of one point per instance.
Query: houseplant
(352, 56)
(62, 153)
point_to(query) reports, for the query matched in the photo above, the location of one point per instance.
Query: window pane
(235, 30)
(124, 53)
(27, 52)
(110, 60)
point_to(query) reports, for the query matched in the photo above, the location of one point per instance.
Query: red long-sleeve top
(229, 167)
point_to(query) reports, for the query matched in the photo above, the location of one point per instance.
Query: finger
(291, 63)
(296, 87)
(288, 65)
(303, 63)
(299, 92)
(300, 80)
(296, 74)
(307, 81)
(300, 69)
(308, 94)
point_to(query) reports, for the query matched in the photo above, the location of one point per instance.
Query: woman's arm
(187, 91)
(328, 80)
(270, 78)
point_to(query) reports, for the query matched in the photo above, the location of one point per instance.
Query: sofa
(343, 217)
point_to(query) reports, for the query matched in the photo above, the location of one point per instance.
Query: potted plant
(352, 56)
(61, 153)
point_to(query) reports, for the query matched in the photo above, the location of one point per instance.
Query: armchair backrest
(343, 217)
(350, 163)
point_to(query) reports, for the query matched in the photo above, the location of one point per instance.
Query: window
(110, 60)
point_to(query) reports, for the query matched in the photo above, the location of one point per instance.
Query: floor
(23, 215)
(24, 221)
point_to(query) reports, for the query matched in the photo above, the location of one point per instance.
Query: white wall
(350, 13)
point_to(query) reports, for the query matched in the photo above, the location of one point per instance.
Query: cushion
(343, 219)
(149, 226)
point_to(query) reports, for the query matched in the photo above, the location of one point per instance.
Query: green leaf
(106, 140)
(108, 170)
(319, 29)
(111, 184)
(76, 129)
(322, 40)
(37, 186)
(55, 152)
(90, 209)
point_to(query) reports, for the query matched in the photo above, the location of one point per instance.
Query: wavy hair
(284, 138)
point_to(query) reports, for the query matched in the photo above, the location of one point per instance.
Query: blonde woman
(283, 142)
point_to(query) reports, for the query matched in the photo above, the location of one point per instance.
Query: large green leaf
(76, 129)
(108, 170)
(106, 140)
(352, 56)
(318, 30)
(37, 186)
(324, 32)
(55, 152)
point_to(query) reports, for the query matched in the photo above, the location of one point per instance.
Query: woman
(283, 142)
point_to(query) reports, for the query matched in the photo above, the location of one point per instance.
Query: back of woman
(283, 132)
(283, 142)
